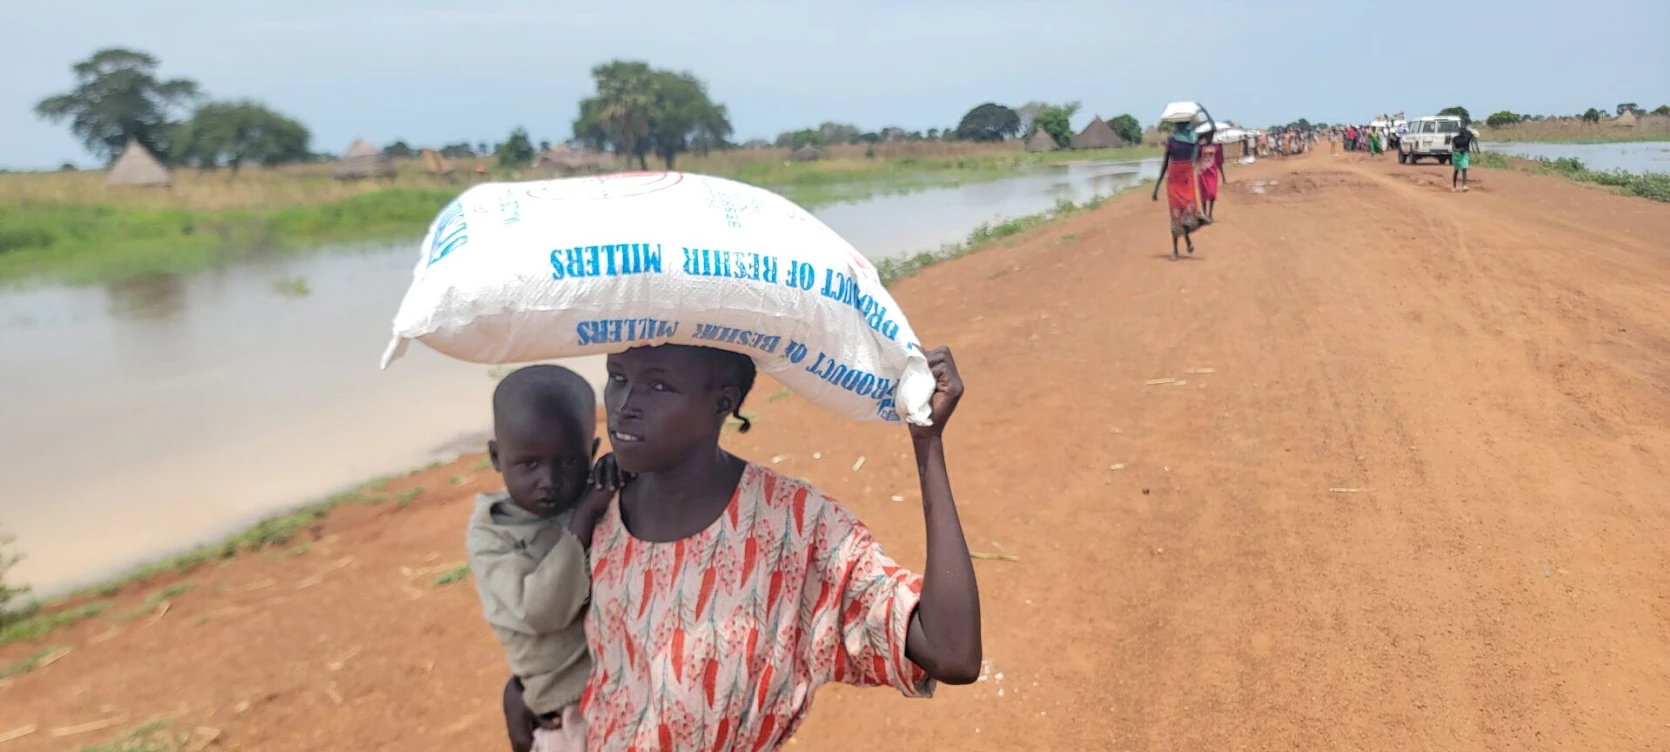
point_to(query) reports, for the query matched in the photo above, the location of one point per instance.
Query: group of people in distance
(1378, 140)
(673, 596)
(1192, 166)
(1278, 142)
(1363, 138)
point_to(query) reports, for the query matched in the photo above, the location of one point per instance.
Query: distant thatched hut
(136, 166)
(564, 160)
(1041, 141)
(1097, 135)
(807, 153)
(362, 160)
(1626, 120)
(434, 163)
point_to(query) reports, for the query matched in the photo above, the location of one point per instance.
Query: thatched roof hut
(1653, 123)
(564, 160)
(1097, 135)
(136, 166)
(1041, 141)
(434, 163)
(1625, 120)
(362, 160)
(807, 153)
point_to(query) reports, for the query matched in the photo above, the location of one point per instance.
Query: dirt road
(1405, 489)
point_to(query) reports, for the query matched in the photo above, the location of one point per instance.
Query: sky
(431, 72)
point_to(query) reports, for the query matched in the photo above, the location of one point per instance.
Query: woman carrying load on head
(1177, 174)
(724, 594)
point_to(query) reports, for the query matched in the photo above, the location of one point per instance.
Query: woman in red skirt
(1177, 174)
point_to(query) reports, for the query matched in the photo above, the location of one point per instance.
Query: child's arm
(531, 597)
(944, 637)
(606, 480)
(558, 590)
(555, 593)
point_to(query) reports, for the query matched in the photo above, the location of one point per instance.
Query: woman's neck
(683, 500)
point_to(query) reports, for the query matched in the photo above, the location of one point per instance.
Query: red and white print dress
(717, 641)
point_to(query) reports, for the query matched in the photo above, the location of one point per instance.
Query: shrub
(1501, 119)
(11, 594)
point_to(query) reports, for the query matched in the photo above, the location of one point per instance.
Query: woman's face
(661, 407)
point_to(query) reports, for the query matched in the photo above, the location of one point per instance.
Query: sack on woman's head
(517, 272)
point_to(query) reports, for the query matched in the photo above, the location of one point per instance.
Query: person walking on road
(1461, 156)
(1177, 174)
(1211, 172)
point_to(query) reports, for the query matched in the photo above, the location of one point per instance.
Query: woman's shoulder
(780, 489)
(774, 490)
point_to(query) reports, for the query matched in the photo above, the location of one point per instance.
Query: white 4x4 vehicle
(1428, 137)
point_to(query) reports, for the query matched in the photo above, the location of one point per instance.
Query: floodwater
(144, 417)
(1638, 156)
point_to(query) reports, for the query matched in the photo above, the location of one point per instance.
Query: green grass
(980, 238)
(409, 496)
(151, 602)
(814, 184)
(36, 620)
(292, 287)
(1494, 160)
(27, 663)
(369, 493)
(82, 244)
(150, 737)
(1654, 186)
(272, 532)
(780, 175)
(35, 624)
(455, 574)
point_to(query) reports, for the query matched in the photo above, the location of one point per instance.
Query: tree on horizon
(118, 97)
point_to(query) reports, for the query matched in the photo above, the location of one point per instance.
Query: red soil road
(1488, 373)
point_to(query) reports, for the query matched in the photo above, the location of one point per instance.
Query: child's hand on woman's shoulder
(607, 479)
(948, 390)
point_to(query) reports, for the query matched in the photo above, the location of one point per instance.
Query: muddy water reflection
(146, 416)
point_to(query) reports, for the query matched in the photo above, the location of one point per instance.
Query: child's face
(545, 466)
(661, 407)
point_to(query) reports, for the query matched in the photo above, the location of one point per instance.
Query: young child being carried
(528, 547)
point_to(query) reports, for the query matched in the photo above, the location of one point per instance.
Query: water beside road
(146, 416)
(1635, 156)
